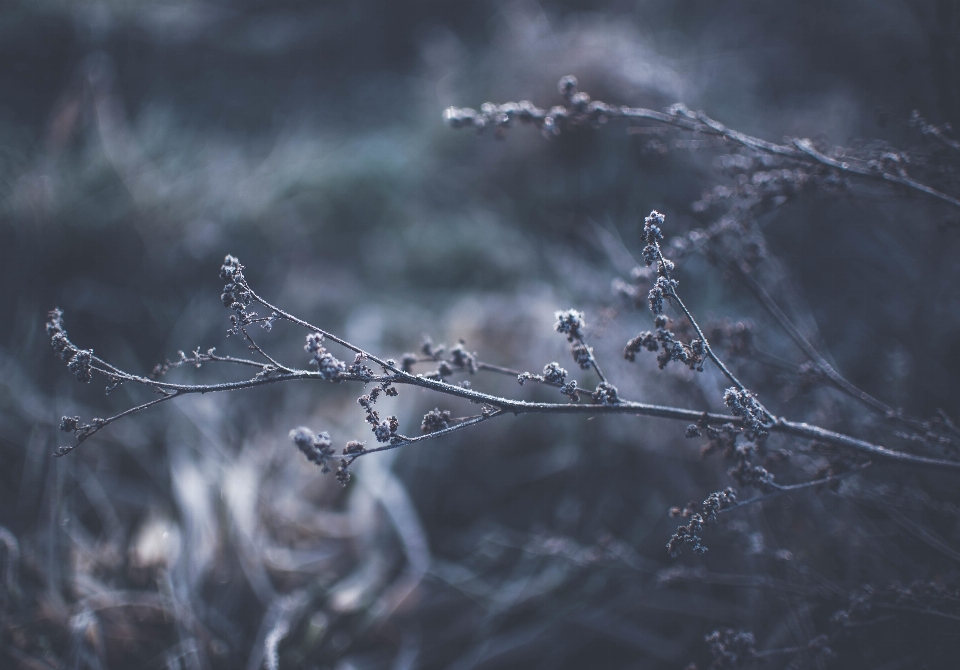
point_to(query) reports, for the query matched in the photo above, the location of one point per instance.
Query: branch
(501, 404)
(581, 111)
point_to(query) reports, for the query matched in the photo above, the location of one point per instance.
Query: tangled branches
(749, 419)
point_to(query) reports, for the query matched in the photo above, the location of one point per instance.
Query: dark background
(139, 143)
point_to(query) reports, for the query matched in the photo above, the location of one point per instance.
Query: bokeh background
(140, 142)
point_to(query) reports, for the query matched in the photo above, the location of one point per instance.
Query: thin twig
(590, 357)
(793, 488)
(808, 348)
(402, 440)
(664, 268)
(256, 347)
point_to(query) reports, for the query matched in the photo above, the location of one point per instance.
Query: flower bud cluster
(236, 294)
(329, 366)
(435, 420)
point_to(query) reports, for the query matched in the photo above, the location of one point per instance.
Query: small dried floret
(571, 323)
(605, 394)
(230, 268)
(382, 432)
(314, 345)
(570, 389)
(430, 350)
(746, 473)
(553, 373)
(717, 501)
(655, 298)
(693, 430)
(690, 533)
(651, 227)
(79, 365)
(435, 420)
(60, 343)
(353, 447)
(330, 367)
(444, 369)
(698, 354)
(645, 340)
(745, 405)
(582, 355)
(687, 535)
(650, 254)
(462, 358)
(69, 424)
(343, 473)
(55, 322)
(316, 447)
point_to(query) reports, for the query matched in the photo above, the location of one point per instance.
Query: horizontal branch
(519, 407)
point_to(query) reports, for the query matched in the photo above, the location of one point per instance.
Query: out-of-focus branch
(580, 110)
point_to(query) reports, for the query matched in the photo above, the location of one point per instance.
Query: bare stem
(793, 488)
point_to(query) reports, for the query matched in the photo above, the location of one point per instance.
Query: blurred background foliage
(140, 142)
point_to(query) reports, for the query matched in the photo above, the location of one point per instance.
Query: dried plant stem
(780, 490)
(500, 404)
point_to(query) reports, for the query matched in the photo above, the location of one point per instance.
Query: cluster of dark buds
(664, 286)
(605, 394)
(748, 473)
(236, 294)
(79, 429)
(435, 420)
(385, 430)
(553, 374)
(78, 360)
(745, 472)
(744, 404)
(463, 359)
(571, 323)
(571, 391)
(663, 339)
(329, 366)
(697, 515)
(460, 359)
(318, 449)
(716, 501)
(670, 347)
